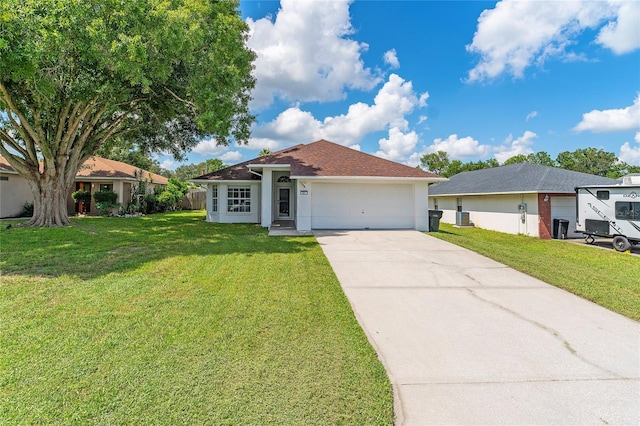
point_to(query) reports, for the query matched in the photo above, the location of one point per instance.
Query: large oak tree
(76, 73)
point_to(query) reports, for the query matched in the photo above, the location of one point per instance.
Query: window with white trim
(239, 199)
(214, 198)
(106, 187)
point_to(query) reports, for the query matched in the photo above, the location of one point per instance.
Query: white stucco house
(521, 198)
(320, 185)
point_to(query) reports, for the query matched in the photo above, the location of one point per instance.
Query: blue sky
(477, 79)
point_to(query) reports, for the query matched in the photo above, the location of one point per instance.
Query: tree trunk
(50, 195)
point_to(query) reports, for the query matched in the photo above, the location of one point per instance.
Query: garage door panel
(358, 206)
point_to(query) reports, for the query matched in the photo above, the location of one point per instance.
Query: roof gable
(322, 159)
(520, 177)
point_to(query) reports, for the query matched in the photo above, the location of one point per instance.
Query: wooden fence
(196, 199)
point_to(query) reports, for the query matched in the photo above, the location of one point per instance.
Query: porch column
(266, 197)
(120, 191)
(209, 207)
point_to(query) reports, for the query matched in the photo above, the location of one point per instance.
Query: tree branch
(24, 124)
(179, 98)
(4, 136)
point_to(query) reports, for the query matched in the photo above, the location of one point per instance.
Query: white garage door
(361, 206)
(565, 208)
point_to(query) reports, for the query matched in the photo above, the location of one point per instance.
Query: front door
(283, 203)
(83, 207)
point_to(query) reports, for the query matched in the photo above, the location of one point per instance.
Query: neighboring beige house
(321, 185)
(96, 174)
(521, 198)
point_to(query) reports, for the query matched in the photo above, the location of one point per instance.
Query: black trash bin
(560, 229)
(434, 220)
(556, 226)
(564, 229)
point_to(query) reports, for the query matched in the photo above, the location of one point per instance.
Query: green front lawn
(608, 278)
(166, 319)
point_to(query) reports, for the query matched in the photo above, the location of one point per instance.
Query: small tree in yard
(76, 74)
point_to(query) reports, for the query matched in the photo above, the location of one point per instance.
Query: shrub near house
(105, 201)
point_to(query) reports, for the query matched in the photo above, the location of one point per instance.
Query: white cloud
(210, 147)
(399, 146)
(391, 58)
(305, 53)
(392, 103)
(423, 99)
(459, 148)
(623, 34)
(532, 114)
(231, 157)
(629, 154)
(511, 147)
(168, 164)
(518, 33)
(611, 120)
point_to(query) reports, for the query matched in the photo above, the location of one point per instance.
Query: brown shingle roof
(98, 167)
(322, 159)
(5, 166)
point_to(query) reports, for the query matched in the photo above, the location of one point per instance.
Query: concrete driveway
(466, 340)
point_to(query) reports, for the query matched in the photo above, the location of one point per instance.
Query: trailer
(610, 211)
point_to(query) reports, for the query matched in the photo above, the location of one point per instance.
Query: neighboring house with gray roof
(521, 198)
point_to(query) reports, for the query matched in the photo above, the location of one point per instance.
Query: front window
(239, 199)
(214, 195)
(602, 195)
(627, 210)
(106, 187)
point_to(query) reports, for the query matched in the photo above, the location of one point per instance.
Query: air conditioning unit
(462, 219)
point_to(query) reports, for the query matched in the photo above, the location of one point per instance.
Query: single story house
(521, 198)
(320, 185)
(96, 174)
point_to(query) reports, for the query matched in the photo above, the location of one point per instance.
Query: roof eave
(379, 178)
(223, 181)
(459, 194)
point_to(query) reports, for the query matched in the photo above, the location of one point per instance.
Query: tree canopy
(586, 160)
(127, 152)
(189, 171)
(74, 74)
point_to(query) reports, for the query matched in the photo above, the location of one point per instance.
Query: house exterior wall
(421, 206)
(303, 201)
(223, 215)
(14, 192)
(494, 212)
(266, 200)
(563, 206)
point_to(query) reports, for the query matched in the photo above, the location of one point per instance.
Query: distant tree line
(585, 160)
